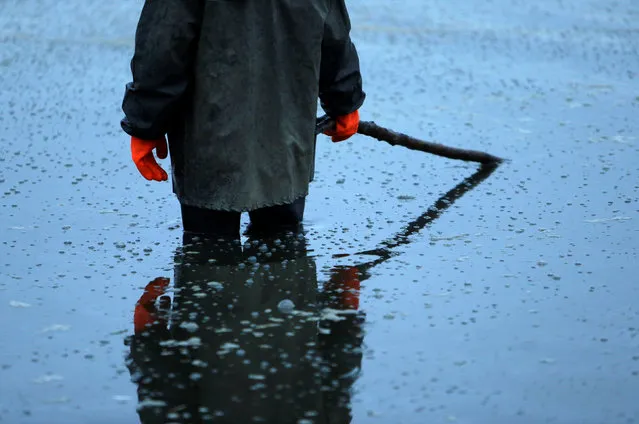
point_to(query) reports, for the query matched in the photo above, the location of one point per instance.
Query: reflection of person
(235, 85)
(249, 337)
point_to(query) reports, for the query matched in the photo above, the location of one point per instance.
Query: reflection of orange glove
(142, 154)
(345, 281)
(146, 314)
(345, 127)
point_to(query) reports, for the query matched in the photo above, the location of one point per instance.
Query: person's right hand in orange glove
(147, 315)
(345, 127)
(343, 287)
(142, 154)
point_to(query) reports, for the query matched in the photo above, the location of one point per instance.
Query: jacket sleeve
(340, 86)
(165, 46)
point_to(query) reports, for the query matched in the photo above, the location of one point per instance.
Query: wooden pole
(393, 138)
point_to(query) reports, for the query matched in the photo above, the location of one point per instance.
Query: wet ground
(424, 289)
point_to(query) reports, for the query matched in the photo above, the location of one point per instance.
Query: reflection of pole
(385, 252)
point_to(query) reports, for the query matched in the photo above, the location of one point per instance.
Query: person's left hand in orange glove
(142, 154)
(345, 127)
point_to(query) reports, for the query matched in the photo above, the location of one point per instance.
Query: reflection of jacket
(235, 84)
(236, 352)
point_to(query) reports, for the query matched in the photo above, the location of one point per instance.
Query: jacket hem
(226, 207)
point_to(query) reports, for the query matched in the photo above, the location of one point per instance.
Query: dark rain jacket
(235, 86)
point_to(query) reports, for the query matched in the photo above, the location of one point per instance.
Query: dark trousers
(227, 224)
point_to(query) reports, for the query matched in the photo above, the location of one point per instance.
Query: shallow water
(493, 297)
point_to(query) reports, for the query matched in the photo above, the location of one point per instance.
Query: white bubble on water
(330, 314)
(48, 378)
(56, 327)
(613, 219)
(150, 403)
(215, 285)
(199, 363)
(286, 306)
(191, 327)
(192, 342)
(227, 348)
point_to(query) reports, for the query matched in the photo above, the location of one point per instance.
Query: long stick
(371, 129)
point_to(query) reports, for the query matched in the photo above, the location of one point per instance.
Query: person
(234, 86)
(249, 335)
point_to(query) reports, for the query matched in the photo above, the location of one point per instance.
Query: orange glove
(345, 282)
(146, 314)
(142, 154)
(345, 127)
